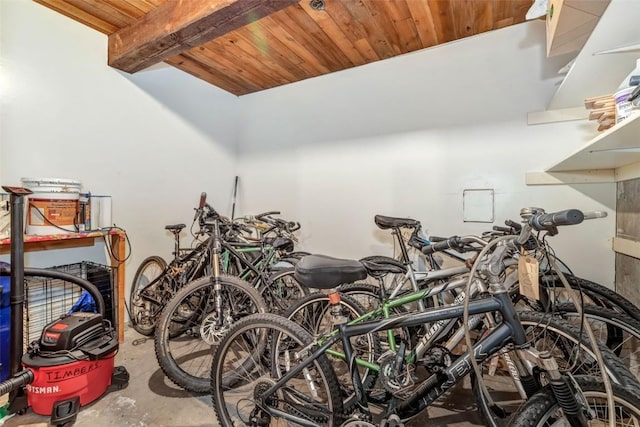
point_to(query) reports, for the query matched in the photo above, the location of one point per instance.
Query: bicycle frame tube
(510, 331)
(389, 305)
(248, 266)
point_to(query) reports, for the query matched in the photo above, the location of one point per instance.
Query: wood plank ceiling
(294, 42)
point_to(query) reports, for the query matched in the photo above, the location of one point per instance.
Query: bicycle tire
(281, 289)
(619, 332)
(143, 313)
(542, 409)
(319, 403)
(184, 352)
(309, 312)
(539, 327)
(599, 294)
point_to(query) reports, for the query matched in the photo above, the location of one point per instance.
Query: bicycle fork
(217, 287)
(563, 390)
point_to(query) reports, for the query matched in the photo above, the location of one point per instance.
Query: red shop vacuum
(72, 364)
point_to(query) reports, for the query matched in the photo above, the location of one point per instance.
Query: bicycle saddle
(379, 267)
(324, 272)
(175, 228)
(386, 222)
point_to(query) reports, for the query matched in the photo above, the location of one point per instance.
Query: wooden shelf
(570, 23)
(74, 240)
(626, 246)
(612, 156)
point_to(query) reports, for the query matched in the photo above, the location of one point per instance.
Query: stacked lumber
(603, 109)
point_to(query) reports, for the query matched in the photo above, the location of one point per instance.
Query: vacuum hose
(20, 379)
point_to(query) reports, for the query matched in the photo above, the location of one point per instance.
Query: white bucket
(53, 206)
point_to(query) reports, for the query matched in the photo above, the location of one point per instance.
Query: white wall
(400, 137)
(405, 136)
(153, 141)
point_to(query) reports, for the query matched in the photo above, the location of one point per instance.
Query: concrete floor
(151, 400)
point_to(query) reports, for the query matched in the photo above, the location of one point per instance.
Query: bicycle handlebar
(594, 215)
(260, 216)
(516, 226)
(455, 242)
(506, 230)
(549, 221)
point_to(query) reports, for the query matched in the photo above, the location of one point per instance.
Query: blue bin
(5, 323)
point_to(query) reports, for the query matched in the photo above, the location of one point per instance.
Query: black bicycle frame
(248, 266)
(510, 331)
(201, 249)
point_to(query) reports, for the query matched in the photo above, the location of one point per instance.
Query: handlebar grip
(437, 239)
(552, 220)
(515, 225)
(508, 230)
(201, 204)
(259, 216)
(441, 245)
(293, 226)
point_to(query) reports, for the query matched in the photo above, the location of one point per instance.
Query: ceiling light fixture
(316, 4)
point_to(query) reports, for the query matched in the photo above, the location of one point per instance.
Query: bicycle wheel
(595, 294)
(562, 340)
(280, 290)
(190, 326)
(315, 314)
(250, 359)
(619, 332)
(144, 295)
(365, 294)
(542, 409)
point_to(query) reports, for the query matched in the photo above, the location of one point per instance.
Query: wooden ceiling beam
(179, 25)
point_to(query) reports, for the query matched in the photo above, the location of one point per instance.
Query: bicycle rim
(545, 334)
(255, 353)
(542, 410)
(190, 327)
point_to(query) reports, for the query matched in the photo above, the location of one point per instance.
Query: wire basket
(47, 299)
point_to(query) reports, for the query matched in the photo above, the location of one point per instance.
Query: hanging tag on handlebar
(528, 277)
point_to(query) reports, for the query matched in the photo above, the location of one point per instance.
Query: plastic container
(53, 206)
(624, 107)
(5, 324)
(100, 211)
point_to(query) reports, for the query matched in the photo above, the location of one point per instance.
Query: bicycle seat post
(337, 315)
(176, 248)
(397, 232)
(175, 229)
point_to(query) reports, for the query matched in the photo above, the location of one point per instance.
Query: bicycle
(284, 373)
(201, 312)
(551, 290)
(155, 281)
(610, 312)
(315, 313)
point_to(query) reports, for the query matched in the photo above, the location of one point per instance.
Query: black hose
(53, 274)
(20, 379)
